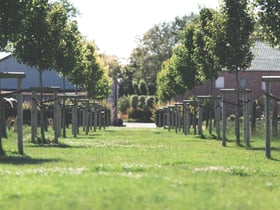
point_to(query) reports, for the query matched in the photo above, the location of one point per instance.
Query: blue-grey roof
(50, 78)
(4, 55)
(266, 58)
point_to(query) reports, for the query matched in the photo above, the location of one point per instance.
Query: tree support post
(19, 76)
(267, 117)
(20, 116)
(224, 120)
(34, 119)
(268, 80)
(247, 118)
(218, 116)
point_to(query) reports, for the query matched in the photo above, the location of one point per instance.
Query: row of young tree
(218, 39)
(166, 40)
(44, 34)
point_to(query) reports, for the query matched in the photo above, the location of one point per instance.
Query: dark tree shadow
(22, 160)
(51, 145)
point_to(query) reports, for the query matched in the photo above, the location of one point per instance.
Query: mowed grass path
(136, 168)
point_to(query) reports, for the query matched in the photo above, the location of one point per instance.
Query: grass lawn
(135, 168)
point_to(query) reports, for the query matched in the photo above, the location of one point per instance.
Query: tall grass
(128, 168)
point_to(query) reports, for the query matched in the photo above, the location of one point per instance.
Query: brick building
(265, 63)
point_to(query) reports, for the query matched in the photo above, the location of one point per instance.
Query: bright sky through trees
(115, 24)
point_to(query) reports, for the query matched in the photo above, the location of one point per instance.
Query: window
(220, 82)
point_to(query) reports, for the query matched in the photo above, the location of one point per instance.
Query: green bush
(134, 101)
(124, 104)
(135, 88)
(151, 102)
(140, 115)
(142, 102)
(143, 87)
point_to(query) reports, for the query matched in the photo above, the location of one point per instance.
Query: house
(265, 63)
(50, 78)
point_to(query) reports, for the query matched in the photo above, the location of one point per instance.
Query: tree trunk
(42, 122)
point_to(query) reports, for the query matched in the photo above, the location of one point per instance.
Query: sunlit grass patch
(123, 168)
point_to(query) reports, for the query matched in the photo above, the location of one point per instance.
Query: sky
(115, 24)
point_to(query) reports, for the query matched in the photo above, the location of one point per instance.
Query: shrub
(150, 102)
(143, 87)
(135, 88)
(124, 104)
(134, 101)
(142, 102)
(140, 115)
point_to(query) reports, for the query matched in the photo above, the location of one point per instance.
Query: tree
(68, 52)
(204, 54)
(37, 46)
(269, 20)
(96, 80)
(169, 80)
(190, 71)
(12, 16)
(233, 43)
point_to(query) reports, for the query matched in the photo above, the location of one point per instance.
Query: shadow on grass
(51, 145)
(22, 160)
(263, 149)
(59, 145)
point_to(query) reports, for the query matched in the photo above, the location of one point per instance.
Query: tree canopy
(269, 20)
(169, 80)
(12, 16)
(95, 76)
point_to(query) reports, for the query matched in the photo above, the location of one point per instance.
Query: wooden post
(267, 119)
(99, 117)
(218, 117)
(164, 116)
(95, 110)
(253, 126)
(34, 118)
(59, 116)
(274, 117)
(268, 80)
(168, 118)
(246, 114)
(246, 109)
(19, 76)
(55, 118)
(200, 110)
(90, 117)
(20, 116)
(87, 117)
(224, 120)
(188, 118)
(74, 119)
